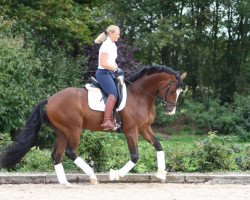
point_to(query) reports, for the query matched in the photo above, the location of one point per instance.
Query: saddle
(97, 97)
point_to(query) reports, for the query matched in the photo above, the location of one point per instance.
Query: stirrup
(110, 129)
(114, 128)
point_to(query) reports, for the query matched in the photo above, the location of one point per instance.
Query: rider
(107, 71)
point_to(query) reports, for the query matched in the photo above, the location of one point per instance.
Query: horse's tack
(160, 98)
(97, 98)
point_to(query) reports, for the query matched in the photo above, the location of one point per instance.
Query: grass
(181, 142)
(185, 141)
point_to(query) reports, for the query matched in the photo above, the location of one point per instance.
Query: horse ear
(183, 75)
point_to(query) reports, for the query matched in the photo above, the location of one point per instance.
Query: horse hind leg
(71, 153)
(61, 143)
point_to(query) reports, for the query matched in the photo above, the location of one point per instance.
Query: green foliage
(103, 150)
(63, 20)
(5, 140)
(226, 119)
(215, 117)
(242, 109)
(28, 75)
(38, 160)
(209, 154)
(211, 43)
(179, 160)
(67, 24)
(147, 160)
(244, 160)
(16, 67)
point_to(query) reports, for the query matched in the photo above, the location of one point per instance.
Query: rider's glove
(118, 72)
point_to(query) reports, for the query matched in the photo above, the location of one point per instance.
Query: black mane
(151, 70)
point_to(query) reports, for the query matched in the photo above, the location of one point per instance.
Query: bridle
(160, 98)
(164, 97)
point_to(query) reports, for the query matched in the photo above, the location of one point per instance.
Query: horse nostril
(169, 109)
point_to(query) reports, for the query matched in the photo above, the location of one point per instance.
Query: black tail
(25, 138)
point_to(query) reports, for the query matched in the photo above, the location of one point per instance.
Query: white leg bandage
(61, 174)
(85, 167)
(126, 168)
(161, 173)
(116, 174)
(161, 160)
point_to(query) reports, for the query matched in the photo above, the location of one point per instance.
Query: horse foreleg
(132, 140)
(148, 135)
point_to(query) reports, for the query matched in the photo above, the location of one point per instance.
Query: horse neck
(147, 86)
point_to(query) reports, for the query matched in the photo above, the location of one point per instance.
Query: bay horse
(68, 113)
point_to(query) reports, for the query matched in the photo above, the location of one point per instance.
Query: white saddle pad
(95, 98)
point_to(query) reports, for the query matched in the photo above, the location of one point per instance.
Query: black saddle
(94, 83)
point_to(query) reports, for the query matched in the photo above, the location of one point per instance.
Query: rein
(162, 99)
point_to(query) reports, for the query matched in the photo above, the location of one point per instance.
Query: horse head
(169, 91)
(159, 81)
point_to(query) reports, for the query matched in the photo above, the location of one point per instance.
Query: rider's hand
(118, 72)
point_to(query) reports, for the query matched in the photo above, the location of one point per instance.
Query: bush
(242, 109)
(179, 161)
(103, 150)
(210, 154)
(36, 160)
(5, 140)
(16, 93)
(147, 160)
(29, 74)
(225, 119)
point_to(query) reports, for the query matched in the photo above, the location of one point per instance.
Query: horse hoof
(93, 181)
(113, 175)
(161, 174)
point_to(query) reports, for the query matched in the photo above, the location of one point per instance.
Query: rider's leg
(107, 83)
(108, 118)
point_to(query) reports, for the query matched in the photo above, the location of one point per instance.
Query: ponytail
(103, 36)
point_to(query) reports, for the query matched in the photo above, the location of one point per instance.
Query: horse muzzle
(170, 110)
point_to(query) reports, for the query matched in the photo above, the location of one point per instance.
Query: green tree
(209, 39)
(66, 21)
(49, 18)
(28, 75)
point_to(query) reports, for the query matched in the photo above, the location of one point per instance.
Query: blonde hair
(103, 36)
